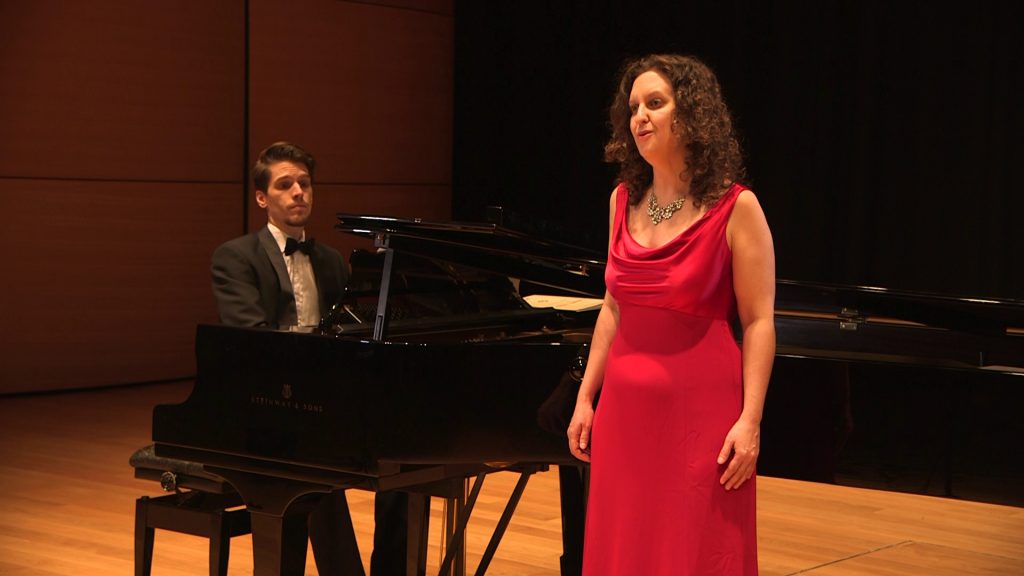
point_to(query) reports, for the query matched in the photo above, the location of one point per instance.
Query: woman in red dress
(674, 442)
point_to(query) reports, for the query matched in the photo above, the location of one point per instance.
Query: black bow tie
(292, 245)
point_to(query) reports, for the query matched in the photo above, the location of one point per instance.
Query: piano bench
(209, 507)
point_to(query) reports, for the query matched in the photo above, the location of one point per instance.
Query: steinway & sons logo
(285, 401)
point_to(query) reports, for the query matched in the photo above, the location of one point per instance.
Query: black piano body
(432, 370)
(435, 369)
(366, 408)
(896, 390)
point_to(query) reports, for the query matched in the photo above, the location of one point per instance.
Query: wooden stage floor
(67, 502)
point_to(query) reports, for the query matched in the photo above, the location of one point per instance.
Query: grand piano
(435, 369)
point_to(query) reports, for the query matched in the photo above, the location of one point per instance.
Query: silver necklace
(659, 213)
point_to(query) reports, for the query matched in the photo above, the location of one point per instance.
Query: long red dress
(673, 388)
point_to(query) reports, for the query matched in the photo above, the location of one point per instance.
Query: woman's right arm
(593, 378)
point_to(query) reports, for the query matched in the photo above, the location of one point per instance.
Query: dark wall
(880, 138)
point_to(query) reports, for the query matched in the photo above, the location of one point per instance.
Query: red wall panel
(124, 153)
(367, 89)
(107, 280)
(122, 90)
(121, 162)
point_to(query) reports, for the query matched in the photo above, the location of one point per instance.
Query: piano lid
(486, 246)
(872, 324)
(816, 319)
(982, 316)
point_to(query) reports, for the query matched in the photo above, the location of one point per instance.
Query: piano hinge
(849, 319)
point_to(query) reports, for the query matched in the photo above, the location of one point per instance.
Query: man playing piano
(277, 278)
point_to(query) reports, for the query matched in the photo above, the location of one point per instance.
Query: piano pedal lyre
(458, 536)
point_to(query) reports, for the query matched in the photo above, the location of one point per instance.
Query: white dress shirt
(300, 272)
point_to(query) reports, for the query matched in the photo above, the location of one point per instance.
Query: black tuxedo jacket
(251, 283)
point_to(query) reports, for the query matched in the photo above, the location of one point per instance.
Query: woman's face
(652, 111)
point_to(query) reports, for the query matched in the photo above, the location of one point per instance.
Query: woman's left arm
(753, 268)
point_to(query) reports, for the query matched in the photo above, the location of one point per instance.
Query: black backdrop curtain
(880, 137)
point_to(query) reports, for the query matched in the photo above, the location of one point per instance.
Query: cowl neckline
(684, 234)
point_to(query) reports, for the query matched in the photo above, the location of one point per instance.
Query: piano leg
(279, 513)
(572, 482)
(393, 545)
(333, 537)
(416, 536)
(279, 544)
(455, 508)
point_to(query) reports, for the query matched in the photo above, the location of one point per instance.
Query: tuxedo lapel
(316, 260)
(287, 300)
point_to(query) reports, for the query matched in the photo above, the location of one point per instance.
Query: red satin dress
(673, 388)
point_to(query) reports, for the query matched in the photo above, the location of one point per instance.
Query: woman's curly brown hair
(714, 156)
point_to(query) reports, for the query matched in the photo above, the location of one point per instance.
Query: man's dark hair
(279, 152)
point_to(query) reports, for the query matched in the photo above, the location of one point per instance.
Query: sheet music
(568, 303)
